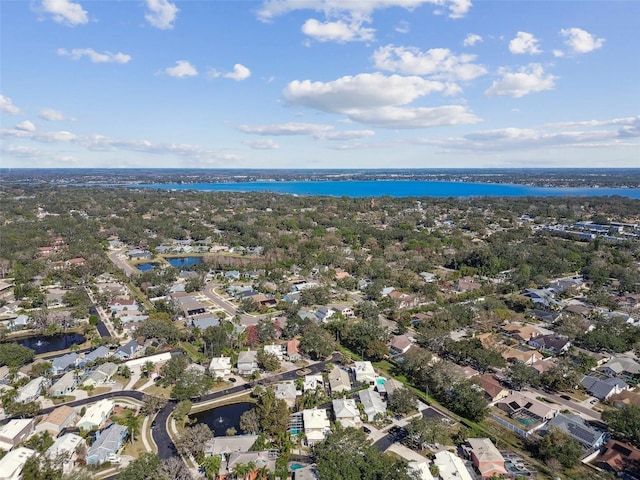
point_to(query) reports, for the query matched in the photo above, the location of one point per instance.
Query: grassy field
(158, 391)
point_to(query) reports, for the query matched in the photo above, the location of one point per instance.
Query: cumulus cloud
(7, 106)
(65, 12)
(239, 73)
(43, 137)
(471, 39)
(161, 14)
(93, 56)
(52, 115)
(26, 126)
(440, 63)
(262, 144)
(580, 41)
(524, 43)
(376, 99)
(338, 31)
(526, 80)
(182, 69)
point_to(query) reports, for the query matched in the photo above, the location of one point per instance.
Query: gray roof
(576, 427)
(228, 445)
(622, 364)
(109, 442)
(98, 353)
(65, 361)
(205, 321)
(601, 389)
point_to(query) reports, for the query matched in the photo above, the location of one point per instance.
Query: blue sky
(319, 83)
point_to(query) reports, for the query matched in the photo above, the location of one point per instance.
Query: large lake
(397, 188)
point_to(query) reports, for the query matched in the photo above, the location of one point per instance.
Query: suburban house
(603, 389)
(451, 467)
(621, 366)
(312, 382)
(400, 344)
(339, 380)
(259, 460)
(519, 406)
(65, 362)
(324, 313)
(31, 390)
(127, 351)
(621, 458)
(62, 417)
(96, 415)
(97, 354)
(274, 350)
(101, 374)
(420, 470)
(404, 300)
(520, 354)
(576, 427)
(64, 449)
(287, 391)
(372, 403)
(551, 343)
(316, 425)
(107, 444)
(12, 463)
(343, 309)
(346, 412)
(364, 372)
(220, 367)
(64, 385)
(485, 457)
(293, 350)
(225, 446)
(493, 389)
(15, 431)
(522, 333)
(543, 297)
(247, 362)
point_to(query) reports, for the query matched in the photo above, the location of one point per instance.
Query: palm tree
(132, 422)
(211, 466)
(147, 368)
(241, 470)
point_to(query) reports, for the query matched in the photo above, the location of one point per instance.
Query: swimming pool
(295, 466)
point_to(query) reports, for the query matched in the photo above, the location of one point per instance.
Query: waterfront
(44, 344)
(397, 188)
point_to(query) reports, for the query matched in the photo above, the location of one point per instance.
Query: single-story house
(602, 389)
(107, 444)
(621, 366)
(493, 389)
(97, 354)
(339, 380)
(451, 467)
(372, 403)
(552, 343)
(12, 463)
(64, 385)
(293, 350)
(275, 349)
(16, 431)
(64, 448)
(62, 417)
(621, 458)
(577, 428)
(225, 446)
(31, 390)
(96, 415)
(517, 404)
(127, 351)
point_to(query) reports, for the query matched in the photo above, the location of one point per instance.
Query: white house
(364, 372)
(96, 414)
(372, 403)
(63, 450)
(247, 362)
(15, 431)
(11, 464)
(312, 382)
(31, 390)
(347, 413)
(451, 467)
(220, 367)
(316, 425)
(274, 349)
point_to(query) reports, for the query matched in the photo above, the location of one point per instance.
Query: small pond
(219, 419)
(145, 267)
(184, 261)
(43, 344)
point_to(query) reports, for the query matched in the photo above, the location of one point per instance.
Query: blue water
(220, 419)
(398, 188)
(145, 267)
(184, 261)
(295, 466)
(43, 344)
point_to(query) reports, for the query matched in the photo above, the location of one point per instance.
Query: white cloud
(339, 31)
(95, 57)
(524, 43)
(240, 72)
(402, 27)
(44, 137)
(65, 11)
(161, 14)
(375, 99)
(436, 62)
(526, 80)
(558, 53)
(262, 144)
(471, 39)
(417, 117)
(182, 69)
(365, 90)
(52, 115)
(26, 126)
(580, 41)
(551, 135)
(7, 106)
(315, 130)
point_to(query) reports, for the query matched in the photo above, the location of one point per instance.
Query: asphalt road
(121, 264)
(590, 413)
